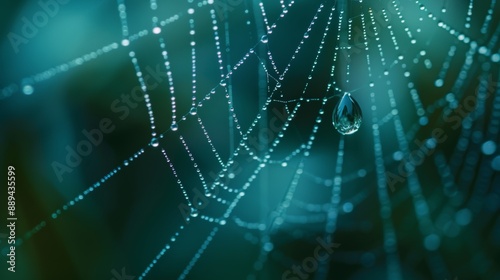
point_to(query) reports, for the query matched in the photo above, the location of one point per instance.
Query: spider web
(223, 162)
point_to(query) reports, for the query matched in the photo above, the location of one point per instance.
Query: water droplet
(347, 115)
(156, 30)
(174, 126)
(489, 147)
(347, 207)
(423, 121)
(155, 142)
(193, 111)
(432, 242)
(268, 247)
(495, 163)
(28, 89)
(194, 212)
(264, 39)
(223, 82)
(495, 57)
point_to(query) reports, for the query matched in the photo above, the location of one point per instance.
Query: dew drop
(347, 207)
(495, 57)
(174, 126)
(268, 247)
(156, 30)
(155, 142)
(432, 242)
(28, 89)
(488, 147)
(439, 82)
(194, 212)
(264, 39)
(347, 115)
(423, 121)
(193, 111)
(495, 163)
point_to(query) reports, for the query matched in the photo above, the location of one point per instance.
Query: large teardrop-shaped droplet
(347, 115)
